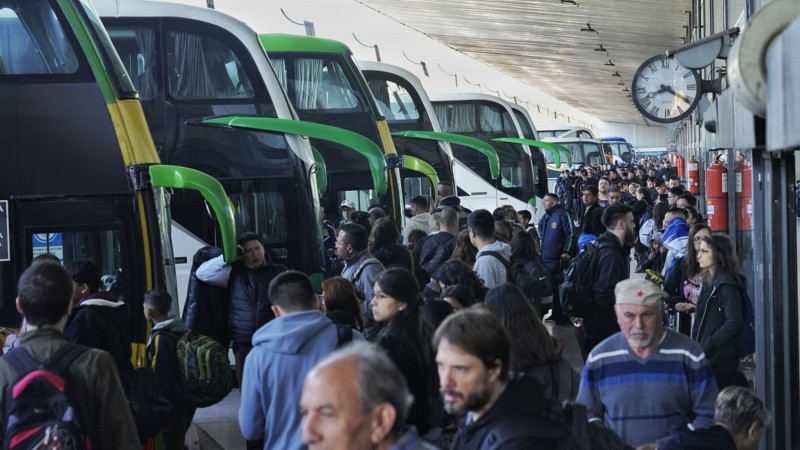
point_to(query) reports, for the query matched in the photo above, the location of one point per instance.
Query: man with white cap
(348, 208)
(646, 378)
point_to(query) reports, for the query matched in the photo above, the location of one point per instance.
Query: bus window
(363, 198)
(511, 174)
(456, 118)
(415, 186)
(200, 67)
(394, 100)
(316, 84)
(104, 247)
(137, 49)
(34, 43)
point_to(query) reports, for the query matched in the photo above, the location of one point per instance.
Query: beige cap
(639, 292)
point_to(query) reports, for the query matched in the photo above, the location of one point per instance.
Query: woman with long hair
(384, 247)
(683, 283)
(406, 338)
(341, 303)
(463, 250)
(533, 350)
(720, 308)
(525, 252)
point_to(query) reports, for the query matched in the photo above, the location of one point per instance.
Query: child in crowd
(162, 357)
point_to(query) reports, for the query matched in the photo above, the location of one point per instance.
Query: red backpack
(40, 410)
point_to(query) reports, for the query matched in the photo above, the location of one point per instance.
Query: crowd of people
(434, 336)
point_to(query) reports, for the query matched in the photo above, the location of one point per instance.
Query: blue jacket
(284, 351)
(558, 236)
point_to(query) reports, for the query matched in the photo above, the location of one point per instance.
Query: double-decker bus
(324, 86)
(79, 174)
(213, 102)
(415, 128)
(523, 175)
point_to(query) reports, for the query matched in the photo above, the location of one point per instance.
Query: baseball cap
(638, 292)
(347, 204)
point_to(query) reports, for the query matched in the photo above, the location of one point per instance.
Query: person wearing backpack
(612, 266)
(284, 351)
(360, 267)
(162, 357)
(720, 308)
(528, 272)
(490, 268)
(100, 413)
(559, 245)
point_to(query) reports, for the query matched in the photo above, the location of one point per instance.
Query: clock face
(664, 91)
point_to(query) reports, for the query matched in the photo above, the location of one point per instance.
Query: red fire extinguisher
(717, 197)
(680, 162)
(744, 197)
(694, 176)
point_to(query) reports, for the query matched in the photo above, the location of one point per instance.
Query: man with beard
(647, 379)
(503, 410)
(613, 265)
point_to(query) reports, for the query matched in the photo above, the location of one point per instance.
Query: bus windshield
(525, 126)
(394, 101)
(34, 41)
(471, 118)
(317, 83)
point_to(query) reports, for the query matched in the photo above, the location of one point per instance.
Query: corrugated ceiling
(541, 42)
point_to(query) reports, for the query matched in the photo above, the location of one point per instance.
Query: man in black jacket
(591, 213)
(436, 248)
(247, 281)
(503, 411)
(613, 266)
(98, 319)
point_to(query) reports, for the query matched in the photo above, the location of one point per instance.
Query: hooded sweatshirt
(418, 222)
(284, 351)
(100, 321)
(489, 269)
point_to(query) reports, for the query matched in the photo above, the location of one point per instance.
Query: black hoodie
(518, 411)
(100, 321)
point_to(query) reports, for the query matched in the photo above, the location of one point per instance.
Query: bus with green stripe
(324, 85)
(213, 102)
(416, 129)
(80, 177)
(523, 175)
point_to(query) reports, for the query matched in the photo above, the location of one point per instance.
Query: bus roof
(296, 43)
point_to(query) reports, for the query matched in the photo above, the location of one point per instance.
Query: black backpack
(147, 403)
(566, 428)
(579, 278)
(533, 286)
(40, 408)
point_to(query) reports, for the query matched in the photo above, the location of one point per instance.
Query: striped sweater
(640, 399)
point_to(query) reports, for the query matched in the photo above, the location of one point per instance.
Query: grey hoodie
(489, 269)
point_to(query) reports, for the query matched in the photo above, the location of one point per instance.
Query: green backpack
(205, 369)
